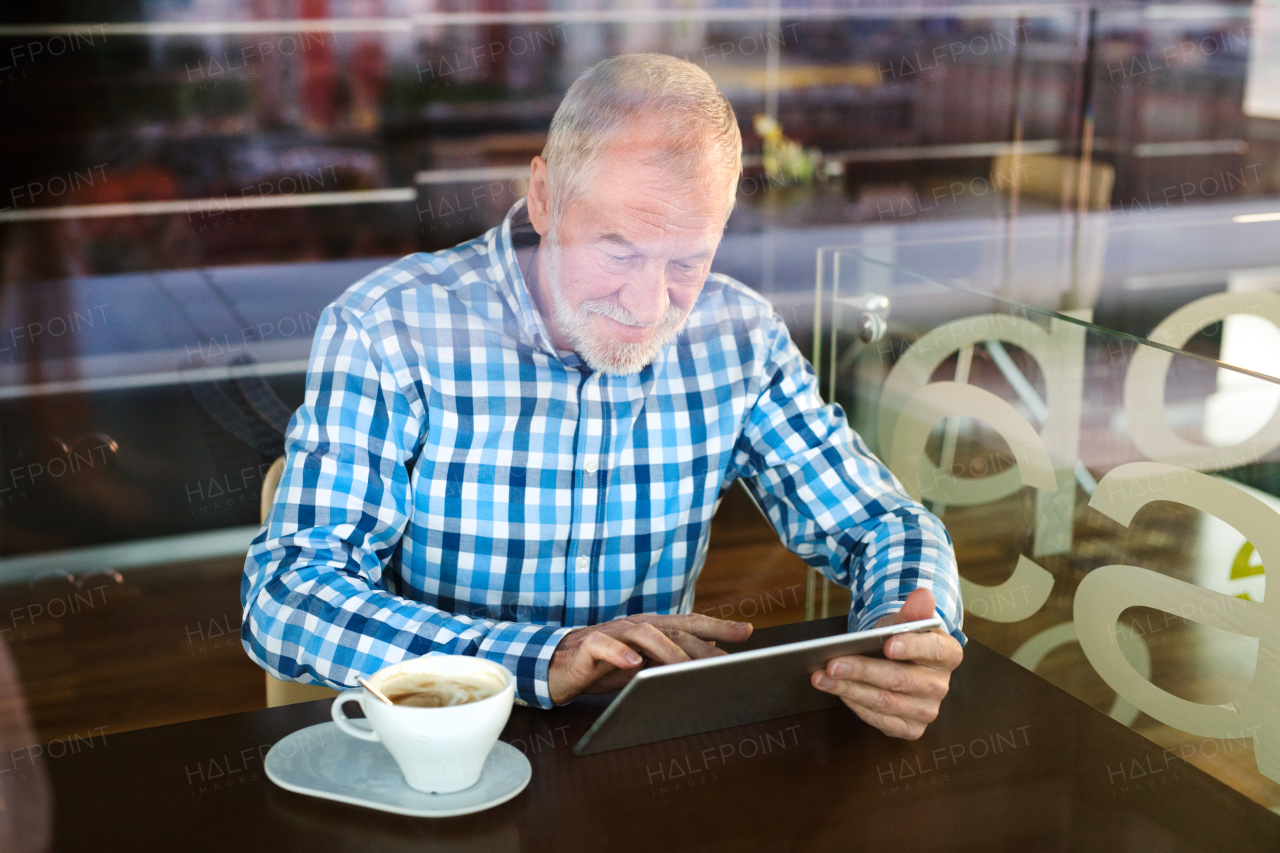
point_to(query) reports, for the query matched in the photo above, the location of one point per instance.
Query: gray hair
(697, 121)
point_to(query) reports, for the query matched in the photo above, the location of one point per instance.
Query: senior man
(513, 448)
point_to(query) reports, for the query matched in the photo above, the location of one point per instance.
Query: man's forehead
(641, 192)
(646, 211)
(638, 221)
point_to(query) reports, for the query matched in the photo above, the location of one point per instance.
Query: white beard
(600, 352)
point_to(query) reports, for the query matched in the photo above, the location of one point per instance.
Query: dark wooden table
(1012, 763)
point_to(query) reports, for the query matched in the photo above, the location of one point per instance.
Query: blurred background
(187, 183)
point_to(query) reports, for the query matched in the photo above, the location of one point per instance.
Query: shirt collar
(516, 237)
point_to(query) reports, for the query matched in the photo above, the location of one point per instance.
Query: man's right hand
(603, 658)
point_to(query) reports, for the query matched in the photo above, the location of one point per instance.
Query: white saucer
(321, 761)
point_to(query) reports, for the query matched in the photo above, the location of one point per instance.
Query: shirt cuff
(526, 650)
(868, 619)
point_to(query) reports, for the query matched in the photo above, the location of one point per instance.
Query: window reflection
(188, 185)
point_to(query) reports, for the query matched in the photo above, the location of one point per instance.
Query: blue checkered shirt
(454, 483)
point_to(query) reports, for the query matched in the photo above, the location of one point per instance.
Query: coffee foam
(439, 690)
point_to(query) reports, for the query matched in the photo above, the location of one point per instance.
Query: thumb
(919, 605)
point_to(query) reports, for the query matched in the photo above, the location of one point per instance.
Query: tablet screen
(729, 690)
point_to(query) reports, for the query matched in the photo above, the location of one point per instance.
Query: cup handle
(346, 723)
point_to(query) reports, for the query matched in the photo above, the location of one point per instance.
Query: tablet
(698, 696)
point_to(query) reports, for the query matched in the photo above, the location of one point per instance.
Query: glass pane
(1111, 499)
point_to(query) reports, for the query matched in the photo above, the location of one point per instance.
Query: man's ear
(539, 199)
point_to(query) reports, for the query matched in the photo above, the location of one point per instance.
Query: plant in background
(785, 161)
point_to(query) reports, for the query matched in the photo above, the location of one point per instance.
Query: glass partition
(1112, 498)
(189, 184)
(189, 187)
(1043, 238)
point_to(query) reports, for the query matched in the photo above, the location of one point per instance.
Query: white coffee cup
(443, 749)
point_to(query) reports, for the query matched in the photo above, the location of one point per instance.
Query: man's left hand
(899, 694)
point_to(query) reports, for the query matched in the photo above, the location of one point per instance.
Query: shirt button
(583, 562)
(592, 466)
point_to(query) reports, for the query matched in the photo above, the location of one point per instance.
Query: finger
(918, 605)
(892, 726)
(933, 648)
(894, 676)
(915, 709)
(599, 652)
(694, 647)
(700, 625)
(647, 639)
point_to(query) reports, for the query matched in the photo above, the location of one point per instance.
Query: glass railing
(1112, 496)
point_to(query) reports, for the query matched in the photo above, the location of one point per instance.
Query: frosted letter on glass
(1107, 591)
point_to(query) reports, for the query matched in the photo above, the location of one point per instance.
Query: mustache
(608, 308)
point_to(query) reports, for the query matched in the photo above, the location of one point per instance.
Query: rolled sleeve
(526, 650)
(834, 503)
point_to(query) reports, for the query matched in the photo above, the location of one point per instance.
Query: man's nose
(646, 297)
